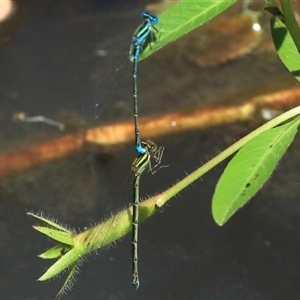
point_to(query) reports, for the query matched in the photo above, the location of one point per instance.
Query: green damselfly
(139, 165)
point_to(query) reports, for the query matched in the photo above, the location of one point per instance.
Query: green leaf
(54, 230)
(251, 167)
(182, 18)
(68, 282)
(285, 47)
(63, 237)
(56, 251)
(67, 260)
(52, 223)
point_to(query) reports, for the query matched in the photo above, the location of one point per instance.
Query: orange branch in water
(39, 154)
(149, 127)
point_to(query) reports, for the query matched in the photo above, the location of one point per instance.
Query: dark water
(49, 69)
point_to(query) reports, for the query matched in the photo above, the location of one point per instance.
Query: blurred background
(53, 55)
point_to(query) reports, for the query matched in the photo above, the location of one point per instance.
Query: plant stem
(120, 224)
(290, 22)
(189, 179)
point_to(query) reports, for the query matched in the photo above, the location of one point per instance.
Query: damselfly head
(152, 18)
